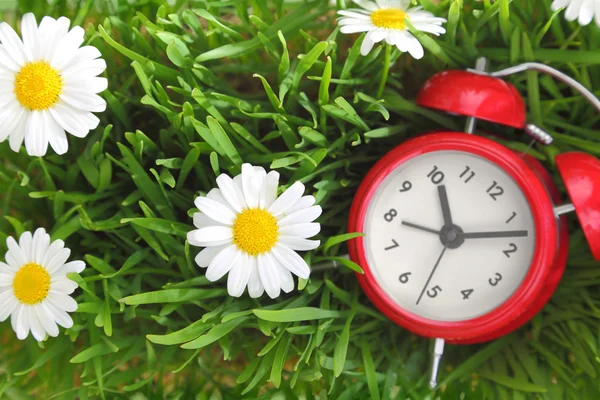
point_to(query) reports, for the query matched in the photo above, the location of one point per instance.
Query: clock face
(449, 236)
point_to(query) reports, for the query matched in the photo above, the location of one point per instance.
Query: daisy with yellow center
(387, 20)
(48, 85)
(34, 288)
(250, 233)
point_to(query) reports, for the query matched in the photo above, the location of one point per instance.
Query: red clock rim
(543, 215)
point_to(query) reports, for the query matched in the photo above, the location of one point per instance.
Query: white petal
(58, 260)
(207, 254)
(10, 116)
(291, 260)
(58, 314)
(216, 195)
(56, 135)
(72, 266)
(5, 268)
(598, 13)
(366, 4)
(84, 70)
(353, 13)
(267, 270)
(64, 285)
(20, 322)
(62, 301)
(53, 249)
(51, 32)
(231, 192)
(379, 34)
(214, 210)
(12, 43)
(85, 85)
(16, 252)
(46, 320)
(39, 245)
(586, 14)
(412, 45)
(251, 185)
(7, 61)
(83, 101)
(25, 245)
(255, 286)
(285, 277)
(430, 28)
(302, 216)
(222, 263)
(6, 295)
(299, 244)
(239, 276)
(38, 332)
(83, 56)
(572, 11)
(8, 306)
(16, 136)
(36, 135)
(203, 221)
(6, 280)
(268, 191)
(304, 202)
(210, 236)
(69, 119)
(556, 4)
(66, 49)
(30, 36)
(366, 46)
(287, 199)
(347, 29)
(303, 231)
(88, 119)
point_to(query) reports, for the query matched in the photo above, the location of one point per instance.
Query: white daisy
(386, 19)
(48, 85)
(250, 233)
(581, 10)
(34, 288)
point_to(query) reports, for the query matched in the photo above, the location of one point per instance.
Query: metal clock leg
(438, 352)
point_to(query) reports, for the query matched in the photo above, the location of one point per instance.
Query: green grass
(196, 87)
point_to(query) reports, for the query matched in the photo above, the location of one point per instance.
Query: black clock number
(404, 277)
(436, 176)
(466, 293)
(433, 292)
(514, 214)
(495, 191)
(406, 186)
(389, 216)
(392, 246)
(495, 280)
(513, 249)
(468, 173)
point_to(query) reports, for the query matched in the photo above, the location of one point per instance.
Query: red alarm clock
(464, 239)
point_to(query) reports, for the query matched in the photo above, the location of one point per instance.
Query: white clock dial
(449, 272)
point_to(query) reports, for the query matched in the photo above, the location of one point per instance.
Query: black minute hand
(491, 235)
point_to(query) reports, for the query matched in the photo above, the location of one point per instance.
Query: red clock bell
(464, 238)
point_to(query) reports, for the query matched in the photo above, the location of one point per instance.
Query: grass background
(196, 87)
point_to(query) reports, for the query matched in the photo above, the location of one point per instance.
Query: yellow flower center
(31, 284)
(390, 18)
(37, 86)
(255, 231)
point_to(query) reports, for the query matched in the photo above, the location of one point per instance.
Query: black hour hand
(445, 205)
